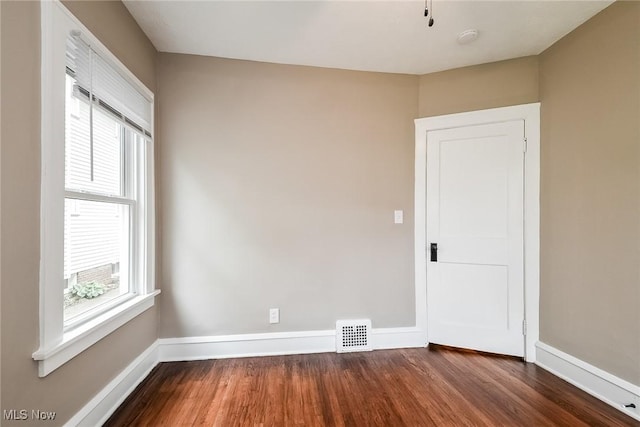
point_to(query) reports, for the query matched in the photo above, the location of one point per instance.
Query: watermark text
(28, 415)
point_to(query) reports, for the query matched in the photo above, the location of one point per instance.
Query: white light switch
(398, 217)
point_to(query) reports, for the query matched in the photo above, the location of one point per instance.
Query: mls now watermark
(28, 415)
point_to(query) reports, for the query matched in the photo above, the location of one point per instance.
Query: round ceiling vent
(467, 36)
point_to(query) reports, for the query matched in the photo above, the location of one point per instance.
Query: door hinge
(524, 145)
(524, 327)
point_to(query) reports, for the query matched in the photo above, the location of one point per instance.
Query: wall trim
(391, 338)
(246, 345)
(103, 404)
(277, 343)
(601, 384)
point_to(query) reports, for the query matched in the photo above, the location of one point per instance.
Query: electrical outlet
(274, 315)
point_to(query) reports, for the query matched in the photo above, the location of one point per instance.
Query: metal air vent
(353, 335)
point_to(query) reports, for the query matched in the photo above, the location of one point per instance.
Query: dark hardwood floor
(436, 386)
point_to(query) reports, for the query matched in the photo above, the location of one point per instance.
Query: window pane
(91, 167)
(96, 254)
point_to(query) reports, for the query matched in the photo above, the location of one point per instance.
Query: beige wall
(68, 388)
(478, 87)
(279, 185)
(590, 207)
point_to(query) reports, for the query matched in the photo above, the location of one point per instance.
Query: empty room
(320, 213)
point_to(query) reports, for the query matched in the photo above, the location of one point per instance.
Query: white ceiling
(388, 36)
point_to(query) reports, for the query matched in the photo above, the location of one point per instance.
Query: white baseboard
(389, 338)
(278, 343)
(598, 383)
(103, 404)
(246, 345)
(100, 408)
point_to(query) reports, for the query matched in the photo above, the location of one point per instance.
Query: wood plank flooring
(436, 386)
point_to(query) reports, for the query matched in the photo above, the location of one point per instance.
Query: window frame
(58, 343)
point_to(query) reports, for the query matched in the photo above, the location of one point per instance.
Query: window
(97, 228)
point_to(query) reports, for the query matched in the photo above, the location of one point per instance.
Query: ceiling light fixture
(467, 36)
(428, 6)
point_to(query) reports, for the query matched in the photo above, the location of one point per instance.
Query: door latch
(434, 252)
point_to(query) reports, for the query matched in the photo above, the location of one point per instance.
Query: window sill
(79, 339)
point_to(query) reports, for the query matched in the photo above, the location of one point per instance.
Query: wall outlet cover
(274, 315)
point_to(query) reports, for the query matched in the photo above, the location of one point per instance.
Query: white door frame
(530, 113)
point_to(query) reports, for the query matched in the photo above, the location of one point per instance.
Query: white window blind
(108, 88)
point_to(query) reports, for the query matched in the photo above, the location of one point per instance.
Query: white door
(475, 277)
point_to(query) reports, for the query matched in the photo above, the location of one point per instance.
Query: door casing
(530, 113)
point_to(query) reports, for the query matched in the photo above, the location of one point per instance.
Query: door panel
(475, 291)
(463, 303)
(475, 168)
